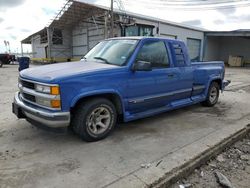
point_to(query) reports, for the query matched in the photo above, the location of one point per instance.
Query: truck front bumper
(38, 115)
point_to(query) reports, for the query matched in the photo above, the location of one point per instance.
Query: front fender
(96, 92)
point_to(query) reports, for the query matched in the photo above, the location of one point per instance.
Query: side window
(179, 55)
(154, 52)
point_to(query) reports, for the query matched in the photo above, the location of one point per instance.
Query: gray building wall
(84, 37)
(63, 50)
(212, 49)
(37, 48)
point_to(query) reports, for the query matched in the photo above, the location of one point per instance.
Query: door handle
(170, 75)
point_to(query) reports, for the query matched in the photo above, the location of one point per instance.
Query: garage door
(194, 48)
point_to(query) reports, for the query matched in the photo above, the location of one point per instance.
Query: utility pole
(112, 19)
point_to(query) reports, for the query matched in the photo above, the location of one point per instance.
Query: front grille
(27, 84)
(29, 97)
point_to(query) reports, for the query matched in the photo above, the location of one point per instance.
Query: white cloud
(20, 21)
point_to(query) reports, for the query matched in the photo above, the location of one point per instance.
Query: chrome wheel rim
(99, 120)
(213, 94)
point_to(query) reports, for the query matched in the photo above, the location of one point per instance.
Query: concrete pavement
(30, 157)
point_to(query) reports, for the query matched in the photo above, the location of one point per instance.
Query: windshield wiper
(103, 59)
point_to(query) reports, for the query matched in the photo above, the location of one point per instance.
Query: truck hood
(49, 73)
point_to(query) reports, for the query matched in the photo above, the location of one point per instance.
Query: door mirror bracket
(142, 66)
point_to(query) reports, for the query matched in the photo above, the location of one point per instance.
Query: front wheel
(95, 119)
(1, 63)
(212, 95)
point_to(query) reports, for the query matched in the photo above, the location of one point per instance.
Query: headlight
(51, 103)
(53, 90)
(50, 90)
(42, 88)
(43, 101)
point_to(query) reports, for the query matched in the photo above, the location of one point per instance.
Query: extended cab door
(181, 70)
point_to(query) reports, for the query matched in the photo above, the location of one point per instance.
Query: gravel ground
(233, 164)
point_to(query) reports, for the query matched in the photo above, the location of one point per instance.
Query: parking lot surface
(31, 157)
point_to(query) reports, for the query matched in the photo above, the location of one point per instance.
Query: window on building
(158, 58)
(57, 37)
(139, 30)
(194, 48)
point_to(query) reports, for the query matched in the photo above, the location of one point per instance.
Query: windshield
(115, 52)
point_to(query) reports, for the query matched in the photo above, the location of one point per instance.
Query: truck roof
(140, 38)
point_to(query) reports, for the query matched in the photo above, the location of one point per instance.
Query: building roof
(28, 39)
(239, 32)
(75, 11)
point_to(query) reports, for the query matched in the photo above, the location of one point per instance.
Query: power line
(151, 5)
(192, 2)
(189, 4)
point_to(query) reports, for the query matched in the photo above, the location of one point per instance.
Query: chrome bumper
(36, 114)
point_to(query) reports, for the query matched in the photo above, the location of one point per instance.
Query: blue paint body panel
(141, 93)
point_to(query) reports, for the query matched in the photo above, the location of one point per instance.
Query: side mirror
(83, 58)
(142, 66)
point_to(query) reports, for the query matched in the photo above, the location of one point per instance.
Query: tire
(94, 119)
(212, 95)
(1, 63)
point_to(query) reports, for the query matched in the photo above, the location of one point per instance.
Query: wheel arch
(114, 97)
(218, 80)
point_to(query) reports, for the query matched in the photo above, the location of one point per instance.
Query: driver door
(148, 89)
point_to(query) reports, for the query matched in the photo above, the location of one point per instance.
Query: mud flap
(225, 83)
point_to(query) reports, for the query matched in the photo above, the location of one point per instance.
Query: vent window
(179, 55)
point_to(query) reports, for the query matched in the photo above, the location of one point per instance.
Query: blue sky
(20, 18)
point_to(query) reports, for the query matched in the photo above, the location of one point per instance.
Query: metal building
(79, 26)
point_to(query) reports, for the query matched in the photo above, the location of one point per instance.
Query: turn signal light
(54, 90)
(56, 103)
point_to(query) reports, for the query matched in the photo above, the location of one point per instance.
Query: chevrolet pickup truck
(123, 78)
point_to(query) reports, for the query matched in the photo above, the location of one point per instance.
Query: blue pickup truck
(120, 78)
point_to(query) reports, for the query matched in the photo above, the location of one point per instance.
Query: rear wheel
(1, 63)
(212, 95)
(95, 119)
